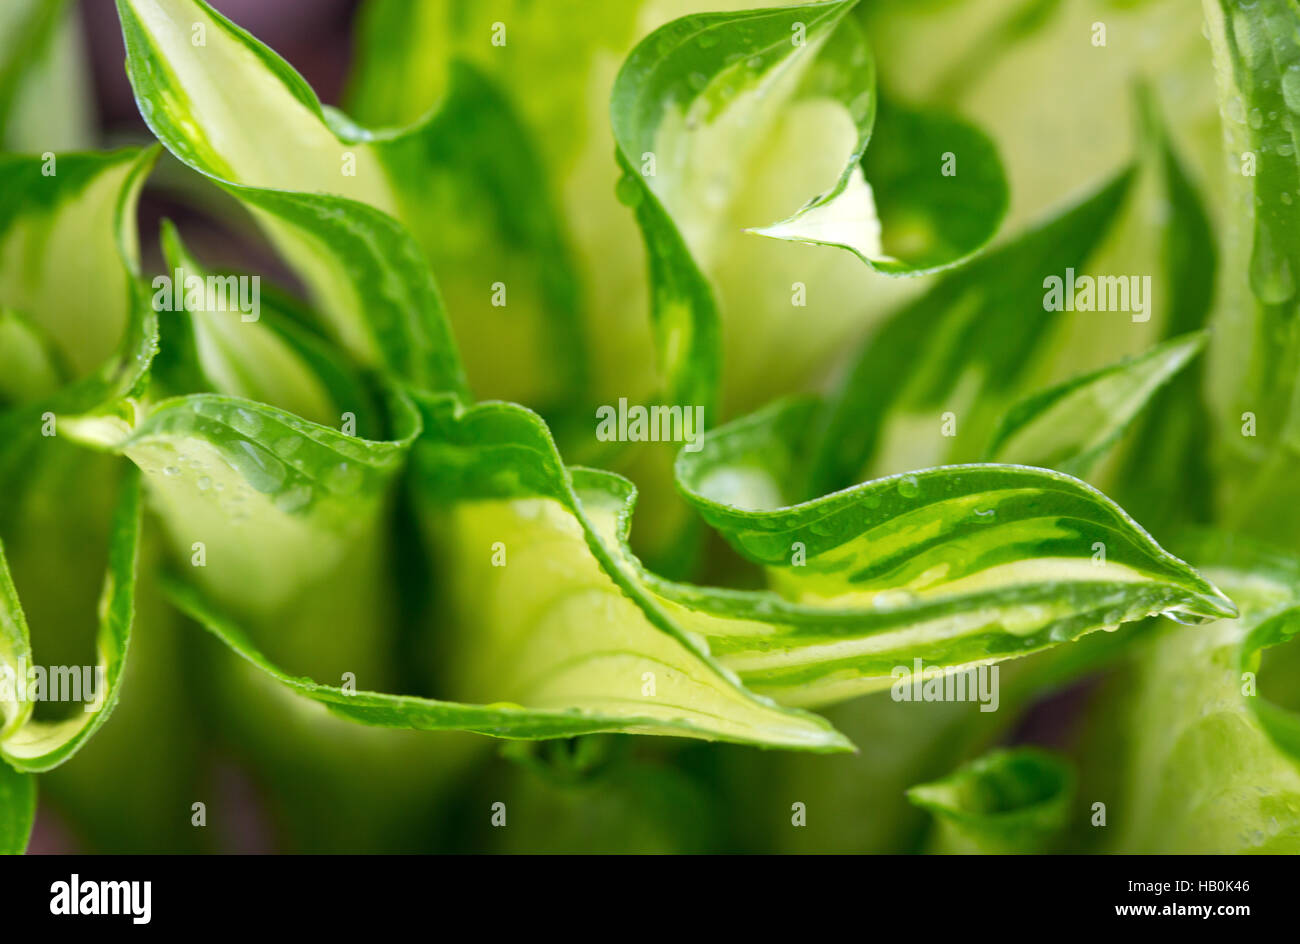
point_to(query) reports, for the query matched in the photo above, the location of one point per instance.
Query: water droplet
(1256, 119)
(204, 483)
(286, 446)
(171, 470)
(908, 487)
(343, 479)
(892, 599)
(259, 468)
(628, 190)
(293, 499)
(1271, 277)
(715, 195)
(1291, 87)
(246, 422)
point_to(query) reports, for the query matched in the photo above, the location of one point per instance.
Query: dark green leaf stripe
(17, 809)
(683, 310)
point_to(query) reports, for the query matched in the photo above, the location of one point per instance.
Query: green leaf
(1208, 765)
(320, 190)
(965, 347)
(385, 710)
(275, 501)
(1006, 802)
(32, 745)
(528, 658)
(17, 809)
(953, 565)
(1071, 426)
(926, 192)
(697, 93)
(231, 108)
(68, 254)
(694, 108)
(491, 474)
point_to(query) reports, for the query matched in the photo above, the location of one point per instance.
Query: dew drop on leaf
(1271, 277)
(259, 468)
(343, 479)
(246, 422)
(1291, 87)
(628, 191)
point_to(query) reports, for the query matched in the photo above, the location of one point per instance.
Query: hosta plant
(911, 383)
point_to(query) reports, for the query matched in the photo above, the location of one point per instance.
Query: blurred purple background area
(313, 35)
